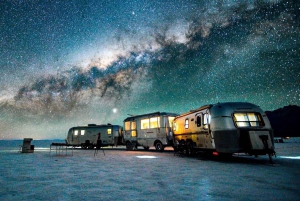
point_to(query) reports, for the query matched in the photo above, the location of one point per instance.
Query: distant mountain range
(285, 121)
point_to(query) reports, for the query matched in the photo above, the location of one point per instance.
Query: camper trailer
(225, 128)
(86, 136)
(153, 129)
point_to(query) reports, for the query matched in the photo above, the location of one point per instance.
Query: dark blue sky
(68, 63)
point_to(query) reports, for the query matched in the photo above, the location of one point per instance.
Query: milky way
(73, 63)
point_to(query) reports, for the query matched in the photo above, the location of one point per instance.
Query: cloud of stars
(67, 64)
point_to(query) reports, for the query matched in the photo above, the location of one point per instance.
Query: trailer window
(206, 120)
(198, 121)
(82, 132)
(133, 125)
(76, 132)
(144, 123)
(152, 122)
(186, 125)
(170, 120)
(248, 119)
(133, 133)
(127, 125)
(109, 131)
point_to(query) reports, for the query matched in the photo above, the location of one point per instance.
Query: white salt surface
(148, 175)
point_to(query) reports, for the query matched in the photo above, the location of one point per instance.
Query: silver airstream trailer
(86, 136)
(153, 129)
(225, 128)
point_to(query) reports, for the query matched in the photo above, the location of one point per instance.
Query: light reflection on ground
(146, 156)
(290, 157)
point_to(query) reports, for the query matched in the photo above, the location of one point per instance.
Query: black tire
(175, 149)
(128, 146)
(189, 148)
(159, 146)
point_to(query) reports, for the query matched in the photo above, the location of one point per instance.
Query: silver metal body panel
(147, 137)
(220, 132)
(109, 133)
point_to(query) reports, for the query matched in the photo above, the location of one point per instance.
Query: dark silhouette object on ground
(99, 145)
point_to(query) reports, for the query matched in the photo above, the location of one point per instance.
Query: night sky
(77, 62)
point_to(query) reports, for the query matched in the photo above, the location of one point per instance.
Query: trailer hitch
(270, 152)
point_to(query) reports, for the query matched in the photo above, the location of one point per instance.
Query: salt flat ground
(148, 175)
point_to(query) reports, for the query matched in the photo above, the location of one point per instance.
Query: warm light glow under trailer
(226, 128)
(152, 129)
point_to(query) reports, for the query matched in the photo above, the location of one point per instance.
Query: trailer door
(168, 124)
(106, 136)
(76, 136)
(209, 138)
(150, 129)
(116, 135)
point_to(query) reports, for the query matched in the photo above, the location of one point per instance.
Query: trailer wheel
(128, 146)
(176, 149)
(159, 146)
(189, 148)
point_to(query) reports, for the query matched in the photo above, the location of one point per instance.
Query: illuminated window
(186, 125)
(130, 125)
(127, 125)
(82, 132)
(133, 125)
(76, 132)
(109, 131)
(174, 126)
(144, 123)
(247, 119)
(133, 133)
(206, 120)
(171, 119)
(154, 122)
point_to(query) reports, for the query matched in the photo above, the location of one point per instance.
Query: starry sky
(71, 63)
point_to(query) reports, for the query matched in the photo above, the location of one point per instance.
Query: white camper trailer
(153, 129)
(225, 128)
(86, 136)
